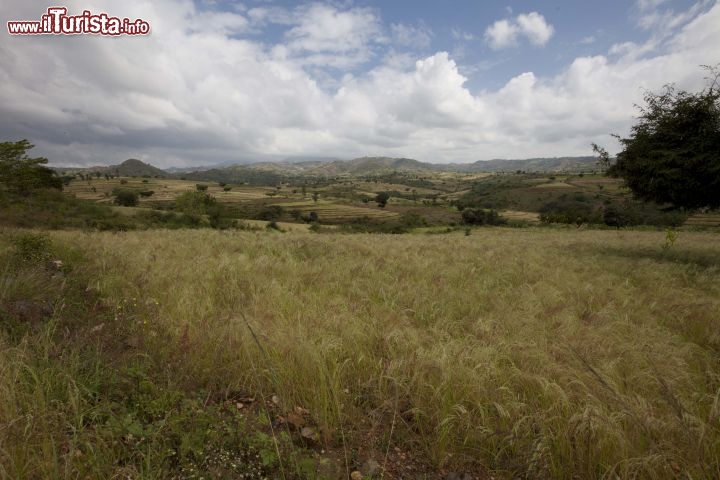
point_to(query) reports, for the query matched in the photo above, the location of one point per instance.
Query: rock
(302, 411)
(356, 475)
(97, 328)
(309, 433)
(370, 468)
(295, 420)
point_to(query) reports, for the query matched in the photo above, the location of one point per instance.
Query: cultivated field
(532, 353)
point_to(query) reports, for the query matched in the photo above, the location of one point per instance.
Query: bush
(382, 199)
(32, 247)
(270, 213)
(636, 213)
(478, 216)
(365, 224)
(573, 211)
(125, 197)
(412, 220)
(200, 187)
(312, 217)
(147, 193)
(194, 203)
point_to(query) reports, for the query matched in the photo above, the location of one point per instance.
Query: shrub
(576, 210)
(31, 247)
(194, 203)
(382, 199)
(270, 213)
(312, 217)
(637, 213)
(478, 216)
(125, 197)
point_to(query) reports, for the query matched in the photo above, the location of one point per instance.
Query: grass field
(531, 353)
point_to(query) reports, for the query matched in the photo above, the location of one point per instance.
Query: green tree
(125, 197)
(382, 199)
(672, 154)
(22, 174)
(194, 203)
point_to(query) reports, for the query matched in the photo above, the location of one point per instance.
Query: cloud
(323, 28)
(649, 4)
(533, 26)
(206, 87)
(413, 37)
(502, 34)
(665, 21)
(461, 35)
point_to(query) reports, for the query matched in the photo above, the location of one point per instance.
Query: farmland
(519, 198)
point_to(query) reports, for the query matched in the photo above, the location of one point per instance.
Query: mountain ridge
(361, 166)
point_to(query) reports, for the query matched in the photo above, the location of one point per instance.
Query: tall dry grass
(536, 353)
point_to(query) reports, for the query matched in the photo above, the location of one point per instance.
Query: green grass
(538, 353)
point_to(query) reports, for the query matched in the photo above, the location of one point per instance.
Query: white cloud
(413, 37)
(323, 28)
(535, 28)
(663, 22)
(505, 33)
(501, 34)
(203, 94)
(649, 4)
(459, 34)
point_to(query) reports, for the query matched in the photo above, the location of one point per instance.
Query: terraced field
(165, 190)
(703, 220)
(335, 212)
(529, 217)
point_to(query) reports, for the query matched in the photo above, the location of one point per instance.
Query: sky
(261, 80)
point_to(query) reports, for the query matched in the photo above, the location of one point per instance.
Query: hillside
(135, 168)
(537, 165)
(373, 166)
(131, 167)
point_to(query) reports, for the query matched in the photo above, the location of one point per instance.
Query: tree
(125, 197)
(194, 203)
(22, 174)
(382, 199)
(672, 155)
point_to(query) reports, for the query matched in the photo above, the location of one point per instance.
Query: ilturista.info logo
(57, 22)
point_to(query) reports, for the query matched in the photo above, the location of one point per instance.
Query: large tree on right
(672, 155)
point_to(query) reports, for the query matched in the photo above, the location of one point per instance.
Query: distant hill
(266, 173)
(368, 166)
(556, 164)
(135, 168)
